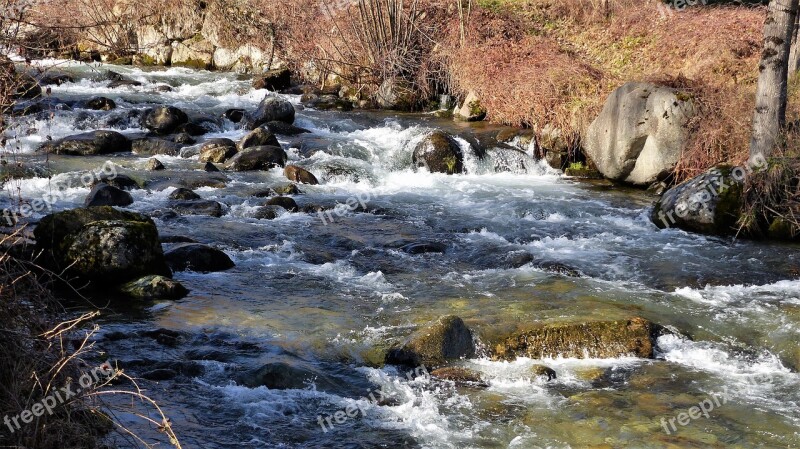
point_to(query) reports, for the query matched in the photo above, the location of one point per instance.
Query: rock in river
(101, 244)
(445, 340)
(258, 137)
(271, 109)
(155, 287)
(198, 257)
(89, 144)
(103, 194)
(163, 119)
(217, 150)
(299, 174)
(439, 153)
(257, 158)
(600, 339)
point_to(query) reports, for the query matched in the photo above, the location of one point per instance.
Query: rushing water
(328, 295)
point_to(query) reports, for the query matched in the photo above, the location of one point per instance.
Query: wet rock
(154, 164)
(326, 102)
(285, 129)
(439, 153)
(101, 244)
(155, 287)
(710, 203)
(516, 259)
(198, 207)
(166, 337)
(267, 212)
(89, 144)
(288, 189)
(123, 83)
(284, 376)
(258, 137)
(284, 202)
(299, 174)
(257, 158)
(558, 268)
(153, 146)
(183, 194)
(543, 372)
(447, 339)
(424, 248)
(600, 339)
(396, 94)
(189, 180)
(211, 168)
(192, 129)
(274, 80)
(184, 139)
(471, 110)
(123, 182)
(163, 119)
(198, 257)
(217, 150)
(234, 115)
(55, 78)
(105, 195)
(271, 109)
(176, 239)
(101, 104)
(460, 376)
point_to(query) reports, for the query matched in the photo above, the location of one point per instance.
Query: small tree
(770, 112)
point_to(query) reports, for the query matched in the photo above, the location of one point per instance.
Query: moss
(602, 339)
(782, 229)
(146, 60)
(684, 96)
(433, 346)
(197, 64)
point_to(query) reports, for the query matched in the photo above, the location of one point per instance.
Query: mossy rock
(782, 229)
(460, 376)
(445, 340)
(710, 203)
(544, 372)
(155, 287)
(601, 339)
(439, 153)
(101, 244)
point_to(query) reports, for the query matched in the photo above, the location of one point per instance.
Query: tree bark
(794, 54)
(770, 113)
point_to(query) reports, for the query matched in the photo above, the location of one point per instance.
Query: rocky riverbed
(278, 274)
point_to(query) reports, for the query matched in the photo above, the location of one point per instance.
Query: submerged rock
(101, 104)
(163, 119)
(601, 339)
(283, 376)
(285, 129)
(105, 195)
(439, 153)
(284, 202)
(299, 174)
(198, 257)
(101, 244)
(460, 376)
(155, 287)
(424, 248)
(445, 340)
(89, 144)
(153, 146)
(710, 203)
(544, 372)
(184, 194)
(257, 158)
(217, 150)
(198, 207)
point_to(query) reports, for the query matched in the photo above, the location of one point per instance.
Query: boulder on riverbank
(439, 153)
(89, 144)
(601, 339)
(709, 204)
(101, 244)
(274, 80)
(640, 133)
(433, 346)
(471, 110)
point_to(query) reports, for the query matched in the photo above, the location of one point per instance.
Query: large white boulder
(640, 134)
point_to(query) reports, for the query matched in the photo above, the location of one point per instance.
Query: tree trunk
(794, 55)
(770, 114)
